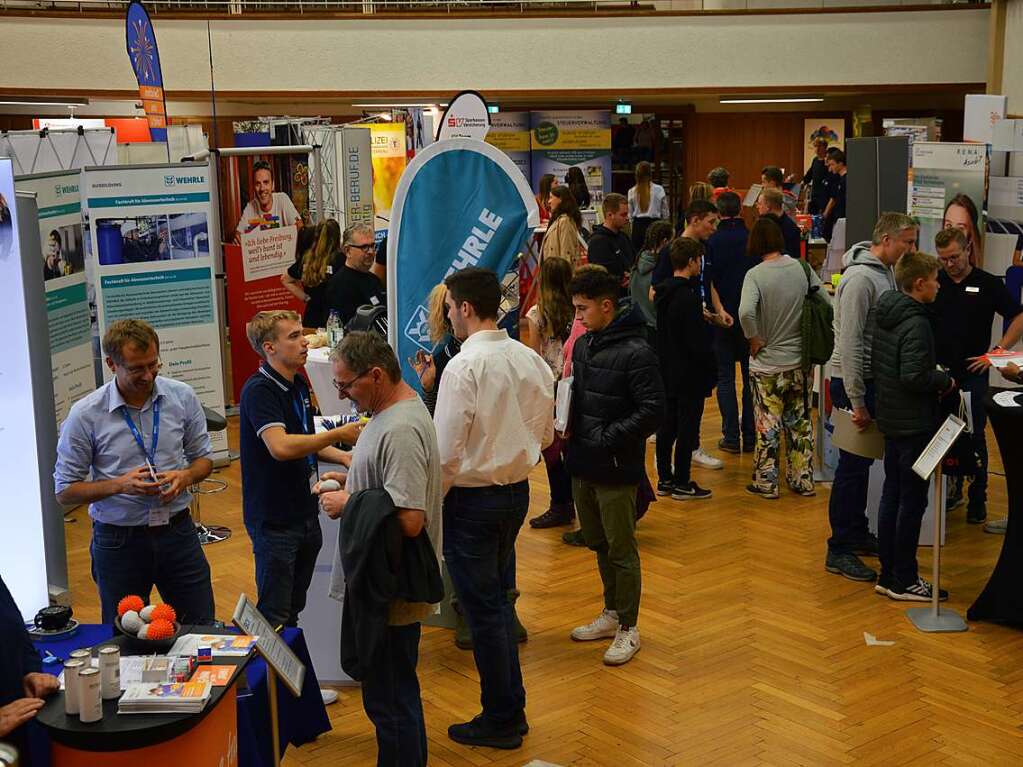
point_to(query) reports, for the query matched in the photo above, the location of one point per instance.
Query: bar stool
(209, 533)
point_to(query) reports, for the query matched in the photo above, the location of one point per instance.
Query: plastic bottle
(334, 330)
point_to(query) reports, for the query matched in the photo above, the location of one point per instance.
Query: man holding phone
(131, 450)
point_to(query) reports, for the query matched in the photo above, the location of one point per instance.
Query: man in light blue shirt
(131, 450)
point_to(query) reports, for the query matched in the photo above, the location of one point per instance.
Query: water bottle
(334, 330)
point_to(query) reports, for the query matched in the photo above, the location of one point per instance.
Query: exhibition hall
(511, 383)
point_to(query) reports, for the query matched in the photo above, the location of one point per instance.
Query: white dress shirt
(495, 412)
(657, 208)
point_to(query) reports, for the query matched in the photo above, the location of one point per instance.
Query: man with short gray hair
(867, 274)
(353, 284)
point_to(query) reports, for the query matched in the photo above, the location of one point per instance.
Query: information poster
(254, 271)
(949, 189)
(831, 129)
(389, 159)
(149, 230)
(355, 169)
(560, 140)
(67, 299)
(509, 132)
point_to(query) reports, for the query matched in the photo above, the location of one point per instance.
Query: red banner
(244, 299)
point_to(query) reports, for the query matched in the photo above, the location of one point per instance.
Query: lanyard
(298, 403)
(151, 454)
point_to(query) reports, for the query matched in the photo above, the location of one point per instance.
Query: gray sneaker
(849, 566)
(996, 526)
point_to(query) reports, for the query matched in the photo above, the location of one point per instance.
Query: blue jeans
(285, 554)
(903, 503)
(390, 695)
(847, 508)
(131, 560)
(480, 528)
(730, 346)
(977, 386)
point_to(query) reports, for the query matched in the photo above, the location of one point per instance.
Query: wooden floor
(752, 654)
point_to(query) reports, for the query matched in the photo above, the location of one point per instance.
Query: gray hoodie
(864, 279)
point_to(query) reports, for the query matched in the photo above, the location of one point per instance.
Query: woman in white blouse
(647, 203)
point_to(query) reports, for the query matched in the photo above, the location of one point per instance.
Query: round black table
(1001, 600)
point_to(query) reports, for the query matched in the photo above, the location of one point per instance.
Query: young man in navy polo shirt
(279, 450)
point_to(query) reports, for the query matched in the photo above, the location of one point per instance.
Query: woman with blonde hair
(701, 190)
(550, 322)
(314, 264)
(430, 367)
(647, 203)
(562, 238)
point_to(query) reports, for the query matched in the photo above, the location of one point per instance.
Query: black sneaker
(976, 513)
(573, 538)
(954, 499)
(921, 591)
(867, 547)
(556, 516)
(665, 487)
(729, 447)
(771, 495)
(479, 732)
(849, 566)
(690, 492)
(749, 445)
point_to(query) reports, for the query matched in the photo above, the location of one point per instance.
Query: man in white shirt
(495, 413)
(267, 209)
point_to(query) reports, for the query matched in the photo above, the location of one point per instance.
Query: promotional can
(90, 701)
(71, 671)
(83, 655)
(8, 755)
(110, 672)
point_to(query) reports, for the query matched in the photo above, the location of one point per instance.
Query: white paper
(563, 404)
(938, 446)
(868, 443)
(752, 194)
(873, 641)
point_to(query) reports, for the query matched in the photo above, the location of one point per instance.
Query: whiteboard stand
(933, 619)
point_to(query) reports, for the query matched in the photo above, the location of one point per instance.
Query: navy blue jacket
(726, 263)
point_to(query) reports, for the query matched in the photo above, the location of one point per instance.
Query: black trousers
(679, 432)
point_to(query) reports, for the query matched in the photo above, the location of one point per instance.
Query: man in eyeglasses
(354, 285)
(131, 450)
(279, 450)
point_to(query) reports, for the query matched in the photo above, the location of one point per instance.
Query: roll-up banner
(149, 227)
(509, 132)
(460, 203)
(563, 139)
(389, 162)
(465, 116)
(140, 41)
(67, 292)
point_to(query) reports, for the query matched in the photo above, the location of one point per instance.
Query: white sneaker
(329, 696)
(605, 625)
(701, 458)
(625, 645)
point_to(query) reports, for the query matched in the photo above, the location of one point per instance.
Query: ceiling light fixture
(400, 105)
(29, 102)
(795, 100)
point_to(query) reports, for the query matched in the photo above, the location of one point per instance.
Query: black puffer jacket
(906, 378)
(617, 402)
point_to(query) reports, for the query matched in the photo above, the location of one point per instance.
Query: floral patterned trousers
(781, 403)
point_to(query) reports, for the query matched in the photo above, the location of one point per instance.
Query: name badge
(972, 289)
(159, 516)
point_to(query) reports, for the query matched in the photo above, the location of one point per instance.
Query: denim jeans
(730, 346)
(131, 560)
(480, 528)
(680, 430)
(390, 695)
(903, 503)
(847, 508)
(285, 555)
(977, 386)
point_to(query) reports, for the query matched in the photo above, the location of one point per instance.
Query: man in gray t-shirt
(397, 451)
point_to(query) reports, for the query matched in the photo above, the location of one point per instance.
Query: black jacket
(617, 402)
(380, 565)
(612, 250)
(684, 340)
(906, 380)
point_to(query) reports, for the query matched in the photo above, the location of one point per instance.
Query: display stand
(280, 661)
(933, 619)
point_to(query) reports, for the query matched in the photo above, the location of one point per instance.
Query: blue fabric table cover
(301, 720)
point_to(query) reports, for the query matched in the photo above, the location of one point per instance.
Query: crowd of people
(637, 338)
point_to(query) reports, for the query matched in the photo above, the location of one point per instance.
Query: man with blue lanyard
(279, 448)
(131, 450)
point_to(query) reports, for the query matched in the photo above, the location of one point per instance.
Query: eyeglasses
(369, 247)
(139, 370)
(343, 386)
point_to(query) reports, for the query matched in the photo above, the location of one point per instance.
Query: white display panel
(22, 549)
